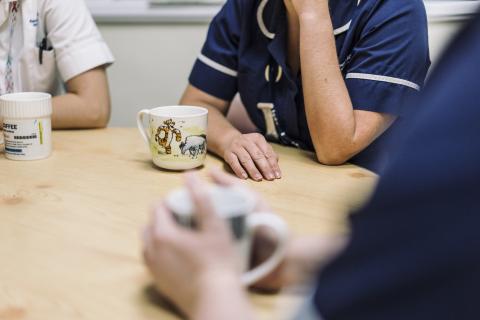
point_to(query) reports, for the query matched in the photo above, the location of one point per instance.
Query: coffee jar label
(27, 139)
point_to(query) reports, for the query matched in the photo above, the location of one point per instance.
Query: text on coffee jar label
(30, 138)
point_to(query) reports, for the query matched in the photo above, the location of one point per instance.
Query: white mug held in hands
(176, 135)
(27, 126)
(236, 206)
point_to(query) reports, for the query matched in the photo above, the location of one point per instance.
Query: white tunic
(74, 42)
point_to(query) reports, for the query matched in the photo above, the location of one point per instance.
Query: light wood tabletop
(70, 225)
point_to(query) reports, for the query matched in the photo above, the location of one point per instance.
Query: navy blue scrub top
(415, 248)
(382, 48)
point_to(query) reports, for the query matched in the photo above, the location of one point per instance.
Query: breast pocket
(42, 72)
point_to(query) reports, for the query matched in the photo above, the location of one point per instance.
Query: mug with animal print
(176, 135)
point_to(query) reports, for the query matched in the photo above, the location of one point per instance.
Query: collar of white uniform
(271, 35)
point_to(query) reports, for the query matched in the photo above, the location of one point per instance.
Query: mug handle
(272, 221)
(141, 128)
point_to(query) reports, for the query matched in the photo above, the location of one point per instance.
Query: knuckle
(245, 160)
(229, 157)
(258, 155)
(237, 169)
(257, 135)
(229, 161)
(270, 155)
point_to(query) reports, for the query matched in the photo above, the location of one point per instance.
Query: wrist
(311, 25)
(315, 14)
(218, 279)
(211, 286)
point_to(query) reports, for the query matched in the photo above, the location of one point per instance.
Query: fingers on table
(247, 162)
(271, 156)
(232, 159)
(254, 157)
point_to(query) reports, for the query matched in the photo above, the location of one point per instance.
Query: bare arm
(220, 131)
(86, 103)
(338, 131)
(247, 154)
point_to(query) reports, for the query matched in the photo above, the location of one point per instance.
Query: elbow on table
(332, 157)
(100, 115)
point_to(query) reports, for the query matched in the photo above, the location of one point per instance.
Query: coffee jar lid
(25, 105)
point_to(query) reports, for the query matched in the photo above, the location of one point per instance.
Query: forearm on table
(86, 104)
(71, 111)
(333, 123)
(220, 130)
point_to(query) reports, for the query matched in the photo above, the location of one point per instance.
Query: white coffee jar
(27, 126)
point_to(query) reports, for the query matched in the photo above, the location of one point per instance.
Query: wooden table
(70, 225)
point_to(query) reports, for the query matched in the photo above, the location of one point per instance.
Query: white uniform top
(74, 44)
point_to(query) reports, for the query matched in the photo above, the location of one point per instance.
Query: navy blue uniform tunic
(415, 248)
(382, 48)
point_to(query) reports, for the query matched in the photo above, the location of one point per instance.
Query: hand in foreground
(250, 155)
(304, 257)
(192, 267)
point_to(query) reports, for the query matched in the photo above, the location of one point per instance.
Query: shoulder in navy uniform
(409, 10)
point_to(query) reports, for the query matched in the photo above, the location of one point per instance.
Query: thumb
(206, 217)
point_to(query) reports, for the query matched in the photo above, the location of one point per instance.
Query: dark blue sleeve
(215, 70)
(415, 248)
(390, 60)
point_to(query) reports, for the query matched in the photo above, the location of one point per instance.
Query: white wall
(440, 34)
(152, 65)
(153, 62)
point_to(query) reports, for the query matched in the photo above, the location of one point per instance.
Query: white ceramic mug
(175, 135)
(236, 206)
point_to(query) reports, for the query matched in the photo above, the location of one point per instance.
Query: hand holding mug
(185, 264)
(188, 263)
(303, 257)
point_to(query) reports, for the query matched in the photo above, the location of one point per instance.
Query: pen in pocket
(43, 46)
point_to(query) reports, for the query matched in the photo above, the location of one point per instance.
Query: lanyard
(14, 7)
(273, 78)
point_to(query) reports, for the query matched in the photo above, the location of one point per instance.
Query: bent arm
(338, 131)
(86, 103)
(220, 130)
